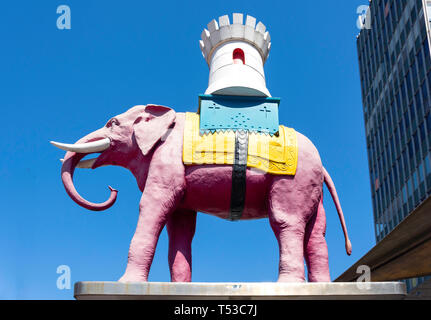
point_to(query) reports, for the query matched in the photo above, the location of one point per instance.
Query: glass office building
(395, 71)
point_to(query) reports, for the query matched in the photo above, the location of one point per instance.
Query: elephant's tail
(330, 184)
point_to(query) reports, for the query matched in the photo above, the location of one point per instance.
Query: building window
(417, 148)
(427, 55)
(406, 122)
(406, 164)
(422, 137)
(415, 188)
(402, 136)
(429, 10)
(428, 120)
(421, 172)
(410, 193)
(421, 182)
(425, 94)
(418, 104)
(399, 165)
(428, 172)
(420, 64)
(411, 154)
(412, 116)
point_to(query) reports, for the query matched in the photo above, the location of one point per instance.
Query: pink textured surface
(147, 140)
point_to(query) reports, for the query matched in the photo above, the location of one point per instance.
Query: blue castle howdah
(254, 114)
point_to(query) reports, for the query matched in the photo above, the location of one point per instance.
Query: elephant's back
(309, 167)
(308, 155)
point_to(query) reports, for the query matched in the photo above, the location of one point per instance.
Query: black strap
(239, 175)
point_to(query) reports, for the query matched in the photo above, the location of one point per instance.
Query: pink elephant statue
(148, 141)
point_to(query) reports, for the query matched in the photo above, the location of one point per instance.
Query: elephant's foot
(290, 278)
(133, 277)
(125, 279)
(319, 277)
(181, 272)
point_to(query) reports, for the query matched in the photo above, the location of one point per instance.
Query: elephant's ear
(151, 125)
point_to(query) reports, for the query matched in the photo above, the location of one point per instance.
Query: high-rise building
(395, 70)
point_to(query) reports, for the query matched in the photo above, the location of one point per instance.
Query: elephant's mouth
(90, 147)
(74, 158)
(92, 163)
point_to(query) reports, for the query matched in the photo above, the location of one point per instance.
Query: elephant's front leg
(181, 229)
(158, 201)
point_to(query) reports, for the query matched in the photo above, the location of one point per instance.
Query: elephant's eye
(112, 122)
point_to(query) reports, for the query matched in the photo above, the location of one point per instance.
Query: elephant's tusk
(84, 164)
(89, 147)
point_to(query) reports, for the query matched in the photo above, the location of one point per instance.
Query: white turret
(235, 54)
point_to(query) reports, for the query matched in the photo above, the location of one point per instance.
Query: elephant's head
(124, 139)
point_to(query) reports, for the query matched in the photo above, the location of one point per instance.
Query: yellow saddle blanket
(272, 154)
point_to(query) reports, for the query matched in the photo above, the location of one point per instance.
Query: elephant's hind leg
(287, 217)
(315, 248)
(290, 237)
(181, 229)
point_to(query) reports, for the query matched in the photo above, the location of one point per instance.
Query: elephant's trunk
(71, 160)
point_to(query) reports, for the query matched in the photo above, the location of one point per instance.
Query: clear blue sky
(62, 84)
